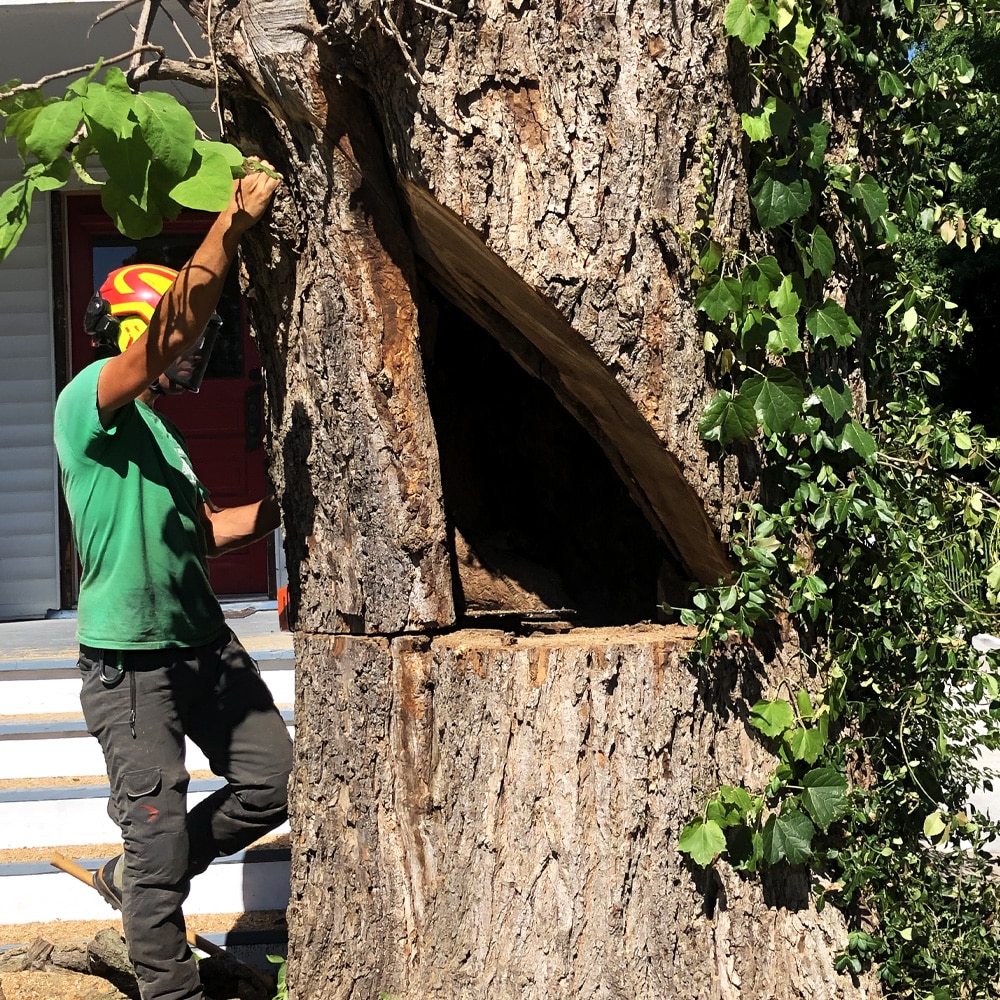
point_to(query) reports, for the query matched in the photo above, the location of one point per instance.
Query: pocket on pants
(138, 784)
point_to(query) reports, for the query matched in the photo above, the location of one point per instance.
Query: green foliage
(145, 142)
(877, 533)
(282, 985)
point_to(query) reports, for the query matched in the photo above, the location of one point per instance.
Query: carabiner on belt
(112, 674)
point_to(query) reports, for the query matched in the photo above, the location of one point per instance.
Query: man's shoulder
(81, 385)
(77, 420)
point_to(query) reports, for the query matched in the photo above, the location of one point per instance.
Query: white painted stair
(54, 795)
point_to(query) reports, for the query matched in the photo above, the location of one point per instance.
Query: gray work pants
(214, 695)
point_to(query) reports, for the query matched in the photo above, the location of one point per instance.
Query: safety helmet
(120, 311)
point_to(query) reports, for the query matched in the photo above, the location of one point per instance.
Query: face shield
(189, 369)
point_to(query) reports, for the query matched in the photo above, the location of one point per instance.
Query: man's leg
(148, 799)
(240, 730)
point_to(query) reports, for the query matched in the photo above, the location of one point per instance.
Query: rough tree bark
(495, 811)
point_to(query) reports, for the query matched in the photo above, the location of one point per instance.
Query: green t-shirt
(133, 499)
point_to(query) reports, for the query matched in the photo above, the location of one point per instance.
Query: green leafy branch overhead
(146, 143)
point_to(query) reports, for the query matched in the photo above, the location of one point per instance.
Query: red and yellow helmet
(121, 310)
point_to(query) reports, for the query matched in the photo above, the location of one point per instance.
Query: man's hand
(252, 194)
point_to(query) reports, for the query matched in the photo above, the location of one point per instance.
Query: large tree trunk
(495, 811)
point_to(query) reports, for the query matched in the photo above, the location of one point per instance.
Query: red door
(223, 423)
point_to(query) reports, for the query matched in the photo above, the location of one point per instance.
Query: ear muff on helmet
(99, 323)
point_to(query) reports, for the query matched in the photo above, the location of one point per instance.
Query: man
(157, 660)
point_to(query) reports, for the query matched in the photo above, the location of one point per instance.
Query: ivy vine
(876, 535)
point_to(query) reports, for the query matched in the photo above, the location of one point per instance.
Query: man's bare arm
(229, 528)
(186, 307)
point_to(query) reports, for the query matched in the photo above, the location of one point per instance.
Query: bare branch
(434, 7)
(24, 87)
(149, 9)
(117, 9)
(180, 34)
(173, 69)
(217, 103)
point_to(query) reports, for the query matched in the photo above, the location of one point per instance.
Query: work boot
(108, 881)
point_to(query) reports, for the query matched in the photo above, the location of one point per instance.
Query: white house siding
(29, 562)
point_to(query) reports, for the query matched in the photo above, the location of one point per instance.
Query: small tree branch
(117, 9)
(180, 34)
(195, 73)
(146, 16)
(24, 87)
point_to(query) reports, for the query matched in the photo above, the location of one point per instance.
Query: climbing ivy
(876, 532)
(146, 143)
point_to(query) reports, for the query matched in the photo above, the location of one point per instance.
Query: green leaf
(804, 704)
(209, 184)
(15, 206)
(806, 744)
(831, 322)
(891, 85)
(772, 718)
(54, 129)
(835, 397)
(964, 71)
(702, 840)
(728, 418)
(804, 34)
(784, 299)
(127, 161)
(935, 824)
(872, 197)
(131, 218)
(760, 279)
(168, 130)
(778, 201)
(774, 119)
(783, 337)
(719, 298)
(233, 156)
(777, 397)
(109, 104)
(820, 252)
(22, 110)
(49, 177)
(746, 21)
(824, 795)
(856, 438)
(788, 837)
(710, 257)
(814, 144)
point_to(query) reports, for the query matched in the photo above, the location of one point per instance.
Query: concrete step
(60, 746)
(253, 880)
(33, 816)
(43, 686)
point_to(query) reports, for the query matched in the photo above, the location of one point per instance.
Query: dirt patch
(34, 985)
